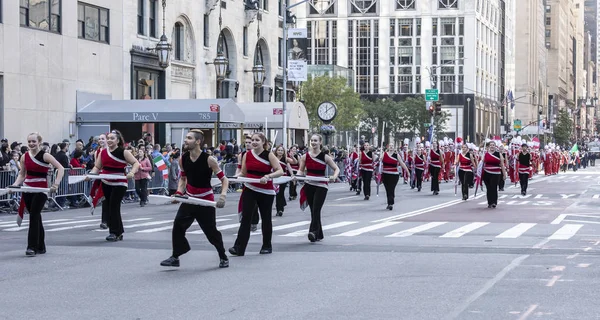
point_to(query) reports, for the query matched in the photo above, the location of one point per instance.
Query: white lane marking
(596, 196)
(225, 227)
(283, 227)
(326, 227)
(421, 228)
(566, 232)
(528, 312)
(26, 227)
(89, 225)
(227, 215)
(421, 211)
(169, 227)
(559, 219)
(374, 227)
(516, 231)
(457, 233)
(26, 222)
(345, 198)
(552, 281)
(153, 223)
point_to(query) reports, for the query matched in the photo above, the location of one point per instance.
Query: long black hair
(120, 139)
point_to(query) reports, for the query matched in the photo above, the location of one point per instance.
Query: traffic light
(431, 110)
(438, 109)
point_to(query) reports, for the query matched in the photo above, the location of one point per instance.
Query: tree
(378, 112)
(414, 115)
(324, 88)
(563, 128)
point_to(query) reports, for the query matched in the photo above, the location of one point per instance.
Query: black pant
(293, 192)
(34, 202)
(389, 182)
(491, 187)
(251, 199)
(465, 178)
(524, 181)
(113, 195)
(206, 218)
(367, 176)
(141, 188)
(435, 178)
(501, 183)
(419, 178)
(280, 202)
(316, 199)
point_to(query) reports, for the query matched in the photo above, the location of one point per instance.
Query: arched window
(259, 93)
(178, 40)
(224, 86)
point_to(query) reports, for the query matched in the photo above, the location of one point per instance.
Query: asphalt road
(432, 257)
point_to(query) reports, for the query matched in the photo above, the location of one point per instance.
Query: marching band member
(96, 191)
(390, 175)
(113, 160)
(314, 163)
(466, 162)
(35, 165)
(435, 165)
(257, 163)
(524, 163)
(294, 162)
(403, 154)
(280, 202)
(419, 162)
(504, 154)
(493, 171)
(354, 164)
(197, 168)
(248, 146)
(365, 159)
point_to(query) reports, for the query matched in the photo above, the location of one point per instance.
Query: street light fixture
(258, 70)
(163, 47)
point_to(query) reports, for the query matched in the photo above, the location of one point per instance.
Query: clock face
(327, 111)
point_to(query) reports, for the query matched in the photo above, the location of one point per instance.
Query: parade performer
(255, 216)
(258, 163)
(354, 169)
(113, 160)
(35, 165)
(465, 162)
(493, 171)
(365, 159)
(427, 172)
(314, 164)
(524, 167)
(419, 164)
(390, 174)
(547, 161)
(435, 164)
(403, 154)
(96, 192)
(280, 202)
(294, 162)
(197, 168)
(504, 154)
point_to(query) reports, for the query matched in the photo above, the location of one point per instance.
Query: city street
(432, 257)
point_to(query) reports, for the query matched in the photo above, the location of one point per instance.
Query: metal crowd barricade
(158, 182)
(8, 203)
(65, 189)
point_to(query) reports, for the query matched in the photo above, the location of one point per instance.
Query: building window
(548, 21)
(447, 83)
(363, 6)
(93, 22)
(461, 26)
(245, 41)
(322, 7)
(141, 88)
(41, 14)
(405, 55)
(448, 27)
(264, 4)
(140, 18)
(406, 28)
(447, 4)
(322, 42)
(363, 54)
(406, 83)
(547, 33)
(280, 52)
(206, 30)
(153, 17)
(405, 4)
(178, 40)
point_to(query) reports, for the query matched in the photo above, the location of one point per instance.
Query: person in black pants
(493, 171)
(502, 181)
(419, 163)
(436, 163)
(280, 202)
(524, 168)
(390, 173)
(466, 164)
(365, 161)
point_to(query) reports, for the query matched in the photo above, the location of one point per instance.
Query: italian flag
(159, 162)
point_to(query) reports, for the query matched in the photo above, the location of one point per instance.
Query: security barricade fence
(77, 194)
(9, 202)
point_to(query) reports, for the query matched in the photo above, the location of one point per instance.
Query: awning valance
(272, 112)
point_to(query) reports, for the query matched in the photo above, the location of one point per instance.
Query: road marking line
(516, 231)
(224, 227)
(283, 227)
(26, 222)
(90, 225)
(528, 312)
(345, 198)
(583, 265)
(421, 228)
(552, 281)
(227, 215)
(566, 232)
(557, 269)
(327, 227)
(596, 196)
(374, 227)
(583, 221)
(488, 285)
(559, 219)
(457, 233)
(587, 249)
(573, 256)
(153, 223)
(424, 210)
(54, 224)
(168, 228)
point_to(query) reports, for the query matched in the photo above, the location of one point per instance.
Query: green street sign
(427, 124)
(432, 94)
(517, 125)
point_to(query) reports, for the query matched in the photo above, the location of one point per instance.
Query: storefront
(268, 116)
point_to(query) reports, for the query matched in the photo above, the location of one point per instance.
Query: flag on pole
(159, 162)
(574, 149)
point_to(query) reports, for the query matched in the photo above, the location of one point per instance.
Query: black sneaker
(103, 225)
(43, 251)
(266, 251)
(254, 227)
(223, 264)
(234, 251)
(279, 213)
(30, 252)
(312, 237)
(114, 238)
(171, 262)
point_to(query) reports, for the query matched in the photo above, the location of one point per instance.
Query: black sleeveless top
(198, 173)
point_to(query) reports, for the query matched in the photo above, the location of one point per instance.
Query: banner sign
(297, 45)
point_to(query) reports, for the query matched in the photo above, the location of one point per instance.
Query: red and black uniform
(37, 177)
(354, 172)
(524, 165)
(419, 161)
(280, 202)
(96, 192)
(435, 165)
(390, 176)
(295, 167)
(492, 173)
(198, 174)
(256, 194)
(465, 173)
(255, 216)
(114, 163)
(313, 194)
(366, 172)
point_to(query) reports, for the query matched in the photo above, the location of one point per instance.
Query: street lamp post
(221, 64)
(468, 119)
(163, 47)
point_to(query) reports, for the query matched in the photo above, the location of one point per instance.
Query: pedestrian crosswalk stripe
(283, 227)
(374, 227)
(326, 227)
(457, 233)
(169, 228)
(516, 231)
(566, 232)
(23, 227)
(26, 222)
(421, 228)
(90, 225)
(145, 224)
(220, 228)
